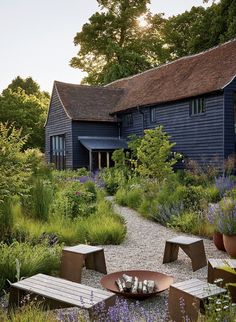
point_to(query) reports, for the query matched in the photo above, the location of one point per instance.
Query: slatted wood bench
(192, 293)
(56, 293)
(73, 259)
(193, 247)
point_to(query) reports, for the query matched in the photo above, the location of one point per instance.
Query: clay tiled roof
(88, 103)
(186, 77)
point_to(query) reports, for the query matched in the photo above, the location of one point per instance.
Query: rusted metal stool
(215, 270)
(73, 259)
(193, 247)
(186, 299)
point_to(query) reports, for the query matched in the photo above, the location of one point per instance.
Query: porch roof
(102, 143)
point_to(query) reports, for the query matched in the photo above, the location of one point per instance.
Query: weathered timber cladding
(198, 137)
(79, 128)
(229, 133)
(58, 123)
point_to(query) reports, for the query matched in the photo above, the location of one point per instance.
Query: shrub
(113, 179)
(6, 219)
(134, 198)
(120, 197)
(39, 199)
(105, 227)
(193, 197)
(74, 201)
(224, 184)
(155, 159)
(32, 260)
(28, 312)
(148, 207)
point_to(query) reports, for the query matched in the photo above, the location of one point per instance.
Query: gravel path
(143, 248)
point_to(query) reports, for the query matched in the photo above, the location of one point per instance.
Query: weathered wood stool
(186, 299)
(73, 259)
(57, 293)
(193, 247)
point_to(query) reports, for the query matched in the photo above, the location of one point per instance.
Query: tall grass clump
(32, 260)
(105, 227)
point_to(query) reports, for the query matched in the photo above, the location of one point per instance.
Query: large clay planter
(218, 241)
(230, 245)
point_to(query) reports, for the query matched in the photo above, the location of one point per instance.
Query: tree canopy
(114, 45)
(24, 105)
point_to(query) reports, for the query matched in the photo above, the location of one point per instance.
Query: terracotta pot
(230, 244)
(218, 241)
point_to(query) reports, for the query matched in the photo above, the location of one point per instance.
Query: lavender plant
(223, 216)
(224, 184)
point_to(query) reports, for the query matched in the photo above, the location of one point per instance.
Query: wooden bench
(186, 299)
(73, 259)
(56, 293)
(193, 247)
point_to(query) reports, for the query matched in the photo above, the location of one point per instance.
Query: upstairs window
(197, 106)
(128, 120)
(153, 115)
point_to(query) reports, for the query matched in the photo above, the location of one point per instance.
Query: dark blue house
(192, 97)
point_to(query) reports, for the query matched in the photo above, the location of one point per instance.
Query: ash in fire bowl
(138, 284)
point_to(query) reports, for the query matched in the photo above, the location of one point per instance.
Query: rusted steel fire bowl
(162, 282)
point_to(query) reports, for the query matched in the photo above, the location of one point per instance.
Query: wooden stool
(215, 272)
(56, 293)
(187, 298)
(193, 247)
(73, 259)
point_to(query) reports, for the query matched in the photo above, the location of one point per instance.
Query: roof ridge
(172, 62)
(88, 86)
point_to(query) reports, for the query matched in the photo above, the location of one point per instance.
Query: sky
(36, 37)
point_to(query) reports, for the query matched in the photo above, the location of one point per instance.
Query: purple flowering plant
(223, 216)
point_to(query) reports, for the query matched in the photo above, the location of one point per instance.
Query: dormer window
(197, 106)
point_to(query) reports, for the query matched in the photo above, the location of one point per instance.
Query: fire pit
(151, 282)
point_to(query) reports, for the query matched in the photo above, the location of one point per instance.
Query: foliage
(105, 227)
(28, 312)
(23, 104)
(200, 29)
(14, 173)
(37, 203)
(131, 197)
(74, 200)
(112, 45)
(155, 159)
(69, 174)
(223, 216)
(113, 178)
(191, 222)
(44, 260)
(224, 183)
(219, 308)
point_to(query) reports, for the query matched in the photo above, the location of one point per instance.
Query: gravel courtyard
(143, 248)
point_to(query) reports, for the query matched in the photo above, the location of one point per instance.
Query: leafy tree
(23, 104)
(200, 29)
(155, 159)
(28, 85)
(14, 173)
(113, 45)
